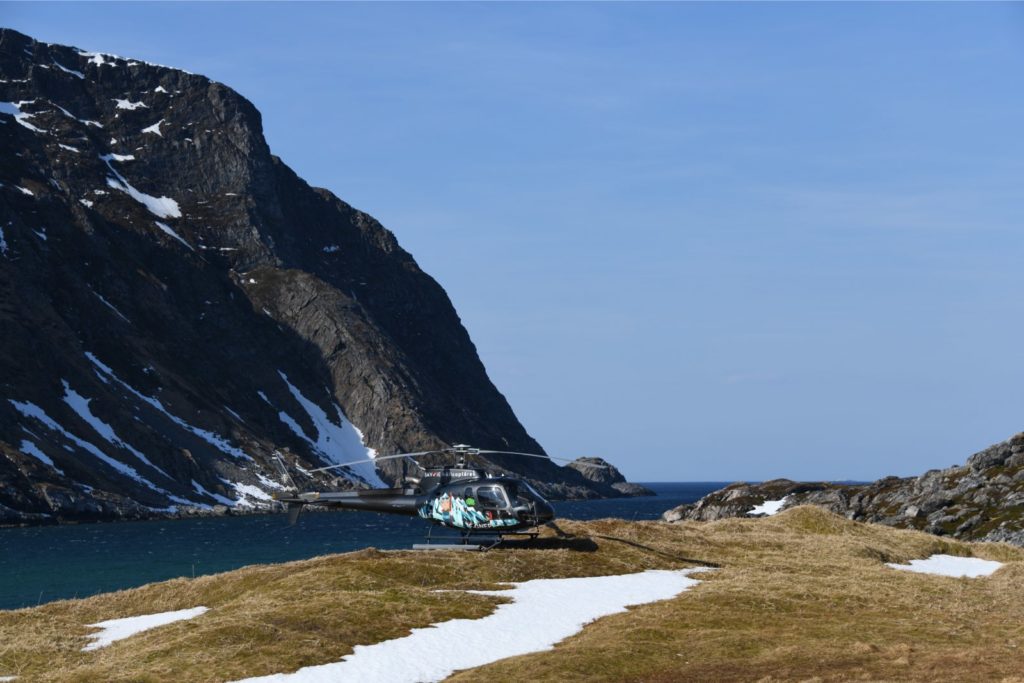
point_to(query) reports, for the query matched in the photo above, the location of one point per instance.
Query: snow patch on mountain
(249, 496)
(99, 58)
(85, 122)
(161, 207)
(170, 231)
(106, 303)
(80, 405)
(198, 488)
(129, 105)
(66, 70)
(20, 117)
(769, 507)
(31, 410)
(338, 441)
(29, 448)
(107, 374)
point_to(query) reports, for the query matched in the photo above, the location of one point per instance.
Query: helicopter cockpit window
(491, 498)
(527, 492)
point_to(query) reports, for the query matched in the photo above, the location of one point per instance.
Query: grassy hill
(802, 595)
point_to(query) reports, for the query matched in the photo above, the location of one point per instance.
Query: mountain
(981, 500)
(177, 305)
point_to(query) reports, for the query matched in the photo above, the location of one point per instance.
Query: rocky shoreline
(982, 500)
(605, 479)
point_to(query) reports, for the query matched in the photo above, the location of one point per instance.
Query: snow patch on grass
(540, 614)
(950, 565)
(114, 630)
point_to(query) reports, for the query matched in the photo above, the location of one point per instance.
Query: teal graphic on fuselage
(462, 513)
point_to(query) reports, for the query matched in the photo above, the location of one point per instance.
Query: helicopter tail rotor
(282, 468)
(293, 513)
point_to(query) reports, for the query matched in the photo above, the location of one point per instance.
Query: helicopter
(467, 499)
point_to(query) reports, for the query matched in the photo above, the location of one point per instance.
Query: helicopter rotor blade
(377, 459)
(473, 451)
(534, 455)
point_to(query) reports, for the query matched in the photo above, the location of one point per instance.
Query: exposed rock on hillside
(177, 305)
(982, 500)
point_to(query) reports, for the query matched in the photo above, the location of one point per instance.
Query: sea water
(41, 564)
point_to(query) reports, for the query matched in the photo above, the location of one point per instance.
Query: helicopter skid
(478, 547)
(472, 541)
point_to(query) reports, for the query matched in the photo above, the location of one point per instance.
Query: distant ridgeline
(176, 305)
(982, 500)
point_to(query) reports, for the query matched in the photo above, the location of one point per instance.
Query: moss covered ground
(804, 595)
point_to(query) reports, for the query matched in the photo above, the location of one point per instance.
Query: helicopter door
(491, 498)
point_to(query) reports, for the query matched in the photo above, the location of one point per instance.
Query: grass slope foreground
(804, 595)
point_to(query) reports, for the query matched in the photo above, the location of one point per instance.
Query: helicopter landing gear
(470, 540)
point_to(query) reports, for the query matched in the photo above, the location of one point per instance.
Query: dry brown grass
(801, 596)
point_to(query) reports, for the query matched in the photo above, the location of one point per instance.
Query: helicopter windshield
(532, 492)
(525, 493)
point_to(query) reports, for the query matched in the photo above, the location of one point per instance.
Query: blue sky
(707, 242)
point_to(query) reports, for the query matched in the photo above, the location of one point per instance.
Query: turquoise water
(41, 564)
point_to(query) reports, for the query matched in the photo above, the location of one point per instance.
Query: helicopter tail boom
(395, 501)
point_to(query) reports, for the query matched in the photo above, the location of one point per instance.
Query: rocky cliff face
(177, 306)
(982, 500)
